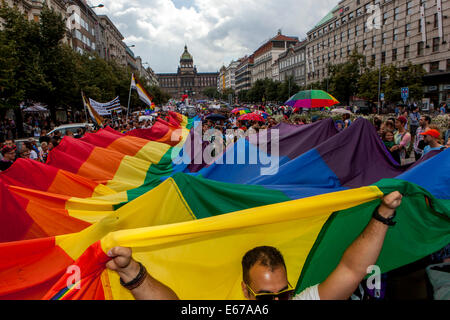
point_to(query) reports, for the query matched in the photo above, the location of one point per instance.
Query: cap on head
(432, 132)
(8, 149)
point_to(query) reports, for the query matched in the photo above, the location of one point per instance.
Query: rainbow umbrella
(241, 111)
(252, 117)
(311, 99)
(263, 114)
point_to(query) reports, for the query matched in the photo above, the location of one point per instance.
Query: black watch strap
(387, 221)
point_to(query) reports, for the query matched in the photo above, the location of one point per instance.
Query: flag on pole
(96, 118)
(439, 17)
(143, 94)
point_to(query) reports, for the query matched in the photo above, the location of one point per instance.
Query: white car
(145, 118)
(70, 127)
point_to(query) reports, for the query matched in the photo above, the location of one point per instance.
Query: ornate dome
(186, 56)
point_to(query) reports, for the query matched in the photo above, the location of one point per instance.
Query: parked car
(70, 127)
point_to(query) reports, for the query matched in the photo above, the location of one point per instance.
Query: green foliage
(36, 66)
(211, 92)
(268, 90)
(393, 79)
(226, 93)
(343, 82)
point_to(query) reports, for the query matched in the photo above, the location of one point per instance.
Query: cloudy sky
(215, 31)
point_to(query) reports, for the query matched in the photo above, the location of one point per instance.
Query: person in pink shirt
(402, 139)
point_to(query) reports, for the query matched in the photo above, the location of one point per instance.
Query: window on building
(436, 42)
(385, 17)
(374, 58)
(338, 23)
(394, 54)
(436, 21)
(408, 30)
(448, 64)
(420, 48)
(351, 15)
(395, 36)
(397, 13)
(364, 44)
(358, 30)
(344, 20)
(330, 27)
(406, 52)
(374, 41)
(434, 66)
(359, 12)
(383, 57)
(384, 37)
(409, 8)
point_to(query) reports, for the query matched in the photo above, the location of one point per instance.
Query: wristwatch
(387, 221)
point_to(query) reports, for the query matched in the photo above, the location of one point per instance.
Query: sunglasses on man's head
(286, 294)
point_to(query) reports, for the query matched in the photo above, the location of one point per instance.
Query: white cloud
(216, 31)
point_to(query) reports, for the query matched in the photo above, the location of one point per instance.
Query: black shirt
(4, 165)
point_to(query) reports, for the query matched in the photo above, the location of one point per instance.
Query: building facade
(115, 49)
(266, 55)
(386, 32)
(292, 64)
(221, 79)
(187, 80)
(32, 10)
(83, 25)
(230, 75)
(244, 74)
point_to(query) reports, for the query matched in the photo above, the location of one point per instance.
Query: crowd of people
(410, 135)
(406, 134)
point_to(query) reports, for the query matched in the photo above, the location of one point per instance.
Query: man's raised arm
(134, 276)
(361, 254)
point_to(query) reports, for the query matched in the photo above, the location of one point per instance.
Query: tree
(211, 92)
(243, 96)
(226, 93)
(21, 73)
(287, 89)
(271, 90)
(368, 85)
(344, 77)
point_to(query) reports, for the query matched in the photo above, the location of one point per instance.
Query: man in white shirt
(264, 270)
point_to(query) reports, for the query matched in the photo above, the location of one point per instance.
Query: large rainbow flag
(190, 225)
